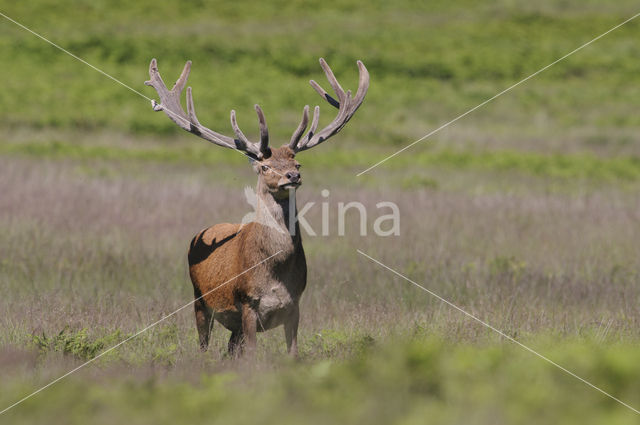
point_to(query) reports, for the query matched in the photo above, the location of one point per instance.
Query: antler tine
(322, 92)
(314, 125)
(347, 106)
(243, 143)
(169, 99)
(363, 86)
(343, 113)
(264, 131)
(180, 82)
(332, 80)
(239, 134)
(297, 134)
(315, 121)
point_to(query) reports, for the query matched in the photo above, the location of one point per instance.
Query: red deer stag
(267, 295)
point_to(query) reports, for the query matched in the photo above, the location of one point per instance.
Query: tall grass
(108, 251)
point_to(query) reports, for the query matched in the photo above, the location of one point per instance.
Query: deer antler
(347, 106)
(170, 104)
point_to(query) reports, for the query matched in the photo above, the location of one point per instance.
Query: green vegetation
(407, 383)
(429, 62)
(557, 166)
(524, 212)
(76, 344)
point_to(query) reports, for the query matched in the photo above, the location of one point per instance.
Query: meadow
(524, 213)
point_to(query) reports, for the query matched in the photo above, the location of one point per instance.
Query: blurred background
(525, 213)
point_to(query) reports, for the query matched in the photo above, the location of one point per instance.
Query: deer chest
(274, 304)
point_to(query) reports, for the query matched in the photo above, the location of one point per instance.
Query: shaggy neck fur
(276, 214)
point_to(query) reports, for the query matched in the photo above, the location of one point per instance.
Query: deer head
(277, 168)
(279, 173)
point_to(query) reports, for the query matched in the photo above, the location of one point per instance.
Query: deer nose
(293, 176)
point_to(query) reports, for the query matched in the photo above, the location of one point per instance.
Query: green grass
(557, 166)
(401, 383)
(428, 64)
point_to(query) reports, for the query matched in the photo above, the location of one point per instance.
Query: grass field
(524, 213)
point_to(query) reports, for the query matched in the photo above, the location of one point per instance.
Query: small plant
(77, 344)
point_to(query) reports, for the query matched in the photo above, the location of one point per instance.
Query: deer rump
(218, 256)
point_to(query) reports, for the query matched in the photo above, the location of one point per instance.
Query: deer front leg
(249, 328)
(291, 331)
(234, 348)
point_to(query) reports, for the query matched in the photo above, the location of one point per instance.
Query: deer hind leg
(291, 331)
(204, 323)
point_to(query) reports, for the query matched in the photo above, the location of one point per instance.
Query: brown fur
(267, 295)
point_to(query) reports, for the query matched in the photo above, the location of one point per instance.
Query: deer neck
(278, 215)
